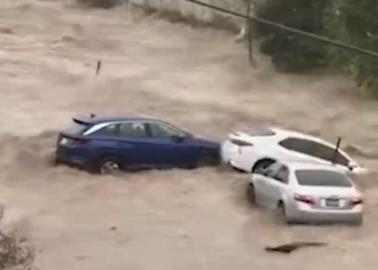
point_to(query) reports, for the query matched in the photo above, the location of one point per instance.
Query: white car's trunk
(327, 191)
(330, 197)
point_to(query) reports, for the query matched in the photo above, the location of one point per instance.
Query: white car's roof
(284, 133)
(277, 134)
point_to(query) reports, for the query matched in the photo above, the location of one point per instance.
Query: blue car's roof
(97, 119)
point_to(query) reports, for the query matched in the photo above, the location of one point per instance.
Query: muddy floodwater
(197, 78)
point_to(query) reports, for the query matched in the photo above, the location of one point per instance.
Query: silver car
(307, 193)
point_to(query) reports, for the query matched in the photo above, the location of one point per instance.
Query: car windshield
(322, 178)
(76, 128)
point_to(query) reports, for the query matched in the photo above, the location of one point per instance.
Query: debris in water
(15, 253)
(288, 248)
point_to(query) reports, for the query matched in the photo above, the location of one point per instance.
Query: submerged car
(307, 193)
(251, 149)
(109, 144)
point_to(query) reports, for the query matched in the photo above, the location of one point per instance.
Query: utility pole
(249, 26)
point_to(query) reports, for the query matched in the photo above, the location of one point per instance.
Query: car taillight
(355, 201)
(72, 141)
(304, 198)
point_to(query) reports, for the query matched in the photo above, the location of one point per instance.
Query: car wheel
(109, 165)
(251, 194)
(261, 164)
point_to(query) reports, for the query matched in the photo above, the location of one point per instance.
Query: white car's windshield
(322, 178)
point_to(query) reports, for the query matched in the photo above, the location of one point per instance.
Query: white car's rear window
(259, 132)
(322, 178)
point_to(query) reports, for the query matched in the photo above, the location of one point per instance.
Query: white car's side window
(271, 170)
(314, 149)
(282, 174)
(327, 153)
(298, 145)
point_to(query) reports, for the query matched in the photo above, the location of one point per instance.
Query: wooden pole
(98, 68)
(250, 48)
(336, 150)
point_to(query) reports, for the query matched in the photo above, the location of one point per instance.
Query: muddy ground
(196, 78)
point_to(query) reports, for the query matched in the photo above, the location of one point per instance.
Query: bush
(99, 3)
(291, 52)
(355, 22)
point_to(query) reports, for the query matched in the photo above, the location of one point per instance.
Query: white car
(249, 150)
(307, 193)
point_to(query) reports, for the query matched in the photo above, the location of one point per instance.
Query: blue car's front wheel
(106, 165)
(109, 166)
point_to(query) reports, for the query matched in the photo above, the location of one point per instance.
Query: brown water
(196, 78)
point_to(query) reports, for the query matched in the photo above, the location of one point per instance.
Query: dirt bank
(197, 79)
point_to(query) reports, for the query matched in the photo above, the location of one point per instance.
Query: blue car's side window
(133, 130)
(164, 131)
(110, 130)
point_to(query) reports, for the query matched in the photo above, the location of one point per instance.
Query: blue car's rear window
(76, 128)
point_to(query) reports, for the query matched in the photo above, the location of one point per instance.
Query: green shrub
(291, 52)
(355, 22)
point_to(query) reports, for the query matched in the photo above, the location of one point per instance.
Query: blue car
(110, 144)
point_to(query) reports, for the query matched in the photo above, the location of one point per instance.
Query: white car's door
(277, 186)
(262, 183)
(259, 186)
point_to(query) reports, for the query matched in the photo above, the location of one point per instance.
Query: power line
(288, 29)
